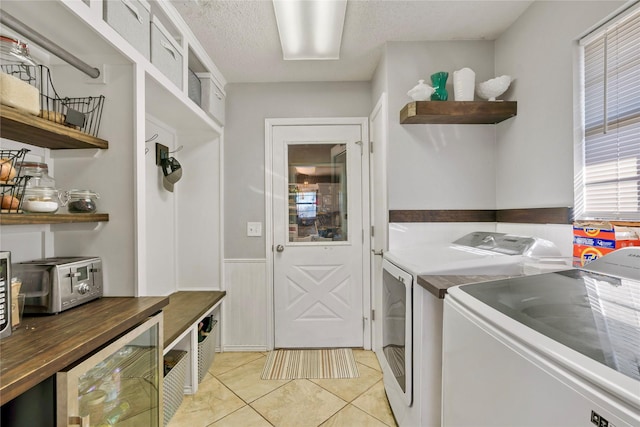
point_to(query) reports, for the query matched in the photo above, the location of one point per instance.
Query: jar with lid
(13, 51)
(39, 173)
(82, 201)
(41, 200)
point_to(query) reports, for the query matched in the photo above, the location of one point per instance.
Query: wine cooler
(119, 385)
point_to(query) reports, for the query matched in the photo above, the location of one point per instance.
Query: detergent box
(593, 239)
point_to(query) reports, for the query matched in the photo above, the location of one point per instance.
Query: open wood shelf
(31, 218)
(44, 133)
(457, 112)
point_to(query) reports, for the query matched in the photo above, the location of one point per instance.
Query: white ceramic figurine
(493, 88)
(421, 91)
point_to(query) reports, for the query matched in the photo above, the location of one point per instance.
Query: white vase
(464, 83)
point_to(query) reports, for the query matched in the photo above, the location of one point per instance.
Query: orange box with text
(592, 240)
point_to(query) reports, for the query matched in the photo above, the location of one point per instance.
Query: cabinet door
(118, 385)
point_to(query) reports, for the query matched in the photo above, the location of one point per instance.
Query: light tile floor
(233, 395)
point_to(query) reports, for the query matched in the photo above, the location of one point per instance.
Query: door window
(317, 188)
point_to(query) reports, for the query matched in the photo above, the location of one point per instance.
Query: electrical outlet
(254, 229)
(162, 153)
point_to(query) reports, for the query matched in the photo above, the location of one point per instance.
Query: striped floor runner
(335, 363)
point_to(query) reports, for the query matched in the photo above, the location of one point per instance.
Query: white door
(379, 215)
(317, 236)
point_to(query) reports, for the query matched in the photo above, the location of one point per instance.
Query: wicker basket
(207, 352)
(173, 383)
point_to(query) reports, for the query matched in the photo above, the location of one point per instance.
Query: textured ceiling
(242, 38)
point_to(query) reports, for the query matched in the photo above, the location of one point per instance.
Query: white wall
(108, 172)
(198, 234)
(429, 167)
(161, 219)
(379, 81)
(437, 166)
(534, 165)
(182, 227)
(245, 269)
(248, 105)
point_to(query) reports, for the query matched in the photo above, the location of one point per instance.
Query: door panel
(317, 213)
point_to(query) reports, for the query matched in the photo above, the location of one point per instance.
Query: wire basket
(173, 382)
(12, 185)
(83, 114)
(207, 351)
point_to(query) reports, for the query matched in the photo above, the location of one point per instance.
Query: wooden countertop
(44, 345)
(184, 309)
(438, 284)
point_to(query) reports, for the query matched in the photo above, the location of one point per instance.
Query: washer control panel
(508, 244)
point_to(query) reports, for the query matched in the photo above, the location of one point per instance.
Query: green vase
(439, 83)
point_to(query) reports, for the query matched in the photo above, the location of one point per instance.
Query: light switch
(254, 229)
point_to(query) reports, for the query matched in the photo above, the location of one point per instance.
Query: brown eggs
(7, 171)
(9, 202)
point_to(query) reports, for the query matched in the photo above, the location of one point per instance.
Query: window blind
(609, 179)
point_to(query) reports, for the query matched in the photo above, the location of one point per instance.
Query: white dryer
(410, 352)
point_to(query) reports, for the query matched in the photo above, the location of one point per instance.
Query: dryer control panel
(509, 244)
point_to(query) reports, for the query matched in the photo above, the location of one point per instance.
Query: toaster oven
(52, 285)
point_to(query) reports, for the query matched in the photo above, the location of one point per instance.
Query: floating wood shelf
(44, 133)
(457, 112)
(19, 219)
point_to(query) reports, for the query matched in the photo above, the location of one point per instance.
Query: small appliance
(52, 285)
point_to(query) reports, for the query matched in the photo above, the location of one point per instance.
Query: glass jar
(39, 173)
(82, 201)
(41, 200)
(14, 51)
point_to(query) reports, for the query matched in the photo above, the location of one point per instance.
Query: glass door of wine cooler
(119, 385)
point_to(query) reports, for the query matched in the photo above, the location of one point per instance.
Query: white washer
(410, 352)
(555, 349)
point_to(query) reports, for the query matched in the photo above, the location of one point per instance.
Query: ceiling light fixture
(310, 29)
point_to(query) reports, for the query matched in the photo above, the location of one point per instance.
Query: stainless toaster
(52, 285)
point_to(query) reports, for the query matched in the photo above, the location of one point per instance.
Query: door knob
(279, 248)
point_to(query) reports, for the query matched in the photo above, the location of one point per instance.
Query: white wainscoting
(245, 307)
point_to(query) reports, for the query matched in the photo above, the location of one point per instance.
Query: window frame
(580, 168)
